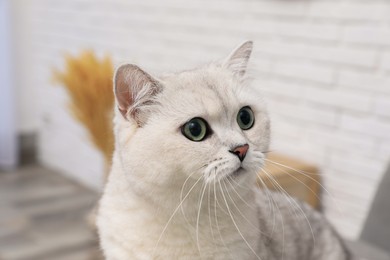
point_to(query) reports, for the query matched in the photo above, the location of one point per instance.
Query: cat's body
(182, 184)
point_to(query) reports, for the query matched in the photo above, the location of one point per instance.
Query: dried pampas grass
(88, 81)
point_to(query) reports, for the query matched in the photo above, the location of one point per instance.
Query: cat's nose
(240, 151)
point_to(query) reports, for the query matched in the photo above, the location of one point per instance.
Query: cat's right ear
(134, 90)
(237, 61)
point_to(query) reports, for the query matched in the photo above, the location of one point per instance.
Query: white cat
(182, 185)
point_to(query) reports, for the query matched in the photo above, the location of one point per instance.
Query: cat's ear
(237, 61)
(134, 91)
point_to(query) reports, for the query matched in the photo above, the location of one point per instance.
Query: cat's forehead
(201, 92)
(208, 81)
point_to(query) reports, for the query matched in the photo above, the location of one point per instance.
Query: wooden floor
(43, 217)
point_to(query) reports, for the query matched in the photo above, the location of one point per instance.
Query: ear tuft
(134, 89)
(237, 61)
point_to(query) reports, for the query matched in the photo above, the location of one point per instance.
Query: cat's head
(205, 124)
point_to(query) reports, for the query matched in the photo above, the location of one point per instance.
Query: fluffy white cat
(182, 186)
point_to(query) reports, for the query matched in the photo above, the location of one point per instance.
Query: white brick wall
(323, 66)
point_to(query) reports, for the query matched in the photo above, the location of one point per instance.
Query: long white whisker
(230, 178)
(174, 212)
(220, 206)
(216, 218)
(304, 184)
(235, 224)
(270, 200)
(197, 219)
(274, 204)
(291, 201)
(239, 211)
(209, 211)
(307, 174)
(181, 198)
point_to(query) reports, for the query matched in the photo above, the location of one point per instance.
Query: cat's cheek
(259, 135)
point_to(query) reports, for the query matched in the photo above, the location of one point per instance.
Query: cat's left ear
(135, 91)
(237, 61)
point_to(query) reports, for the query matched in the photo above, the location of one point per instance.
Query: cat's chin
(237, 173)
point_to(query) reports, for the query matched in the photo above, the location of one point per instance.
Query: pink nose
(240, 151)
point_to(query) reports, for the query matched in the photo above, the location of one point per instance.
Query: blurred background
(322, 65)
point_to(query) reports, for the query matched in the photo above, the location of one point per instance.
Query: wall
(8, 140)
(323, 65)
(27, 111)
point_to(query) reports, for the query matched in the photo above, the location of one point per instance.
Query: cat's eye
(196, 129)
(245, 118)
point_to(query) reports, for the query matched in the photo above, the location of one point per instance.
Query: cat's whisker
(283, 234)
(295, 178)
(198, 217)
(214, 180)
(279, 188)
(292, 202)
(181, 196)
(258, 155)
(209, 212)
(293, 169)
(271, 204)
(235, 224)
(245, 187)
(239, 211)
(306, 174)
(263, 152)
(174, 212)
(281, 216)
(216, 218)
(230, 178)
(189, 176)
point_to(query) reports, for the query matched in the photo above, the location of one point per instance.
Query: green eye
(245, 118)
(196, 129)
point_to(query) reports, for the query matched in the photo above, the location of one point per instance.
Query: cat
(188, 147)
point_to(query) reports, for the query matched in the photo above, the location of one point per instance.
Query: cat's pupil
(195, 128)
(245, 117)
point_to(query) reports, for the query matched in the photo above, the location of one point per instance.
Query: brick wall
(323, 65)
